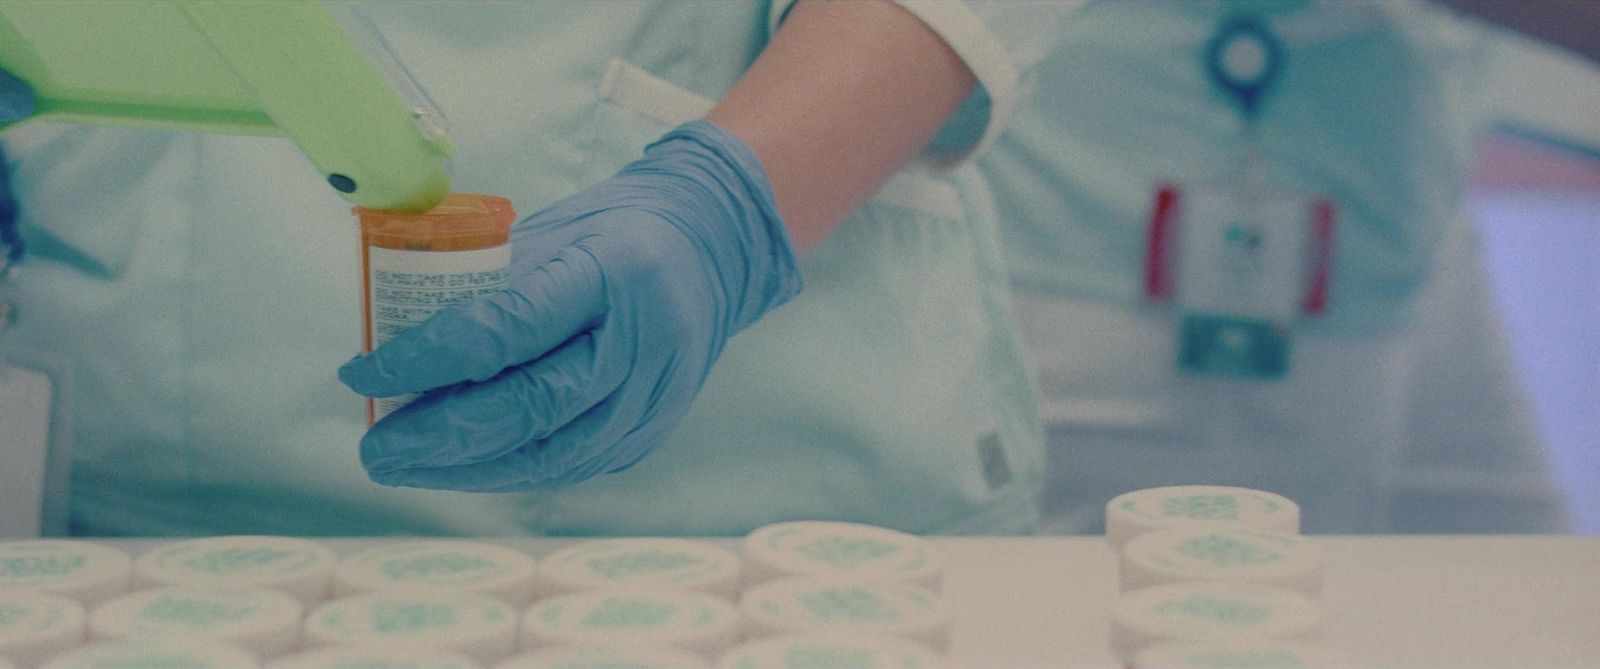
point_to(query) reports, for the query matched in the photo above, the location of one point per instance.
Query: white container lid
(1142, 511)
(845, 606)
(298, 567)
(264, 622)
(1215, 611)
(480, 627)
(1240, 655)
(1220, 553)
(485, 569)
(87, 572)
(669, 563)
(606, 657)
(148, 654)
(802, 651)
(693, 621)
(374, 657)
(36, 625)
(822, 548)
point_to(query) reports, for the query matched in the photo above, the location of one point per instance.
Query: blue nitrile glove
(16, 99)
(620, 299)
(16, 104)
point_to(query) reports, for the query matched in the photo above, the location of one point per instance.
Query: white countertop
(1401, 602)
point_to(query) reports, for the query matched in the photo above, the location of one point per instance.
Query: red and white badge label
(1236, 251)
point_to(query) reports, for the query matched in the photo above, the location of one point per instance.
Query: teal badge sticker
(1231, 346)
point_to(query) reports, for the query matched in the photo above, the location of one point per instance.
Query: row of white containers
(803, 589)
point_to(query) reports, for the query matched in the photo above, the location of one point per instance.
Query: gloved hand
(620, 299)
(16, 104)
(16, 99)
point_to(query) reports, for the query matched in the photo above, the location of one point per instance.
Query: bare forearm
(846, 93)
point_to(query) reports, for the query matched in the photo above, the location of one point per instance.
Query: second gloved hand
(620, 299)
(16, 99)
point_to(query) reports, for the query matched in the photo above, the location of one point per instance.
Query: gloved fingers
(647, 403)
(516, 470)
(17, 100)
(608, 436)
(620, 456)
(474, 422)
(605, 438)
(474, 341)
(579, 451)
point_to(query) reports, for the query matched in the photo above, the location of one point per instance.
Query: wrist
(729, 209)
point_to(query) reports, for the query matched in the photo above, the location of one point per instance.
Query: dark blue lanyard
(10, 238)
(1244, 59)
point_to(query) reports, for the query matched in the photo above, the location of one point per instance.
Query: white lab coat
(1401, 411)
(205, 290)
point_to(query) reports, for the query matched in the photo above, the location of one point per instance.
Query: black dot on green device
(342, 183)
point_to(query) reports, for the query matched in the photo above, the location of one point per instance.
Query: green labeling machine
(295, 68)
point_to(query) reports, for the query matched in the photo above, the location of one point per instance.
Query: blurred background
(1537, 204)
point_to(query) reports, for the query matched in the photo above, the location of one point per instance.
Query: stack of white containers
(1214, 576)
(802, 593)
(45, 587)
(819, 591)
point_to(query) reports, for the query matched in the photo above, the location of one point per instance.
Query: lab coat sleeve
(1473, 460)
(1543, 92)
(1000, 41)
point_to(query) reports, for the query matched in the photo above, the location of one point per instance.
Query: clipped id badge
(1240, 261)
(1241, 265)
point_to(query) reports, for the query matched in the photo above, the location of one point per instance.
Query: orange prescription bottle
(413, 265)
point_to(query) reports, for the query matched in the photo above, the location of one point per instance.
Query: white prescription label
(406, 287)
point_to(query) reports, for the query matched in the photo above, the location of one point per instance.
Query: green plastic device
(260, 67)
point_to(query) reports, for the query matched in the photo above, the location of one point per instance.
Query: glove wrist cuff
(765, 267)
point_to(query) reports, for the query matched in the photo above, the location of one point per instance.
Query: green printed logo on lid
(640, 562)
(35, 566)
(615, 614)
(153, 659)
(1201, 507)
(1217, 609)
(29, 618)
(845, 551)
(813, 657)
(385, 662)
(232, 560)
(433, 565)
(11, 614)
(847, 604)
(191, 612)
(409, 617)
(1261, 659)
(553, 612)
(705, 618)
(1225, 551)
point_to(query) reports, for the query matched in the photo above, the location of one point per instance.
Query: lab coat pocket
(640, 106)
(884, 386)
(900, 348)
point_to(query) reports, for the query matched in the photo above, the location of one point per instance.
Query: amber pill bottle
(413, 265)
